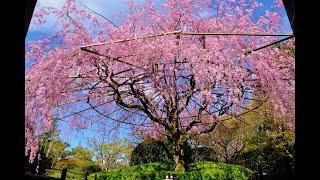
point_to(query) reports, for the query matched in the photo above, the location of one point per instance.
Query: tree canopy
(174, 70)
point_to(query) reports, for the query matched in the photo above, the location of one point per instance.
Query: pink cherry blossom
(168, 85)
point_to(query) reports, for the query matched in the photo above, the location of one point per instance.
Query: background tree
(150, 150)
(80, 158)
(112, 155)
(271, 145)
(51, 150)
(226, 140)
(202, 154)
(261, 138)
(57, 152)
(173, 82)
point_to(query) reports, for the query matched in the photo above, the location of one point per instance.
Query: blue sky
(107, 8)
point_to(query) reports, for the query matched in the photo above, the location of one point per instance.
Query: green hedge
(199, 170)
(151, 151)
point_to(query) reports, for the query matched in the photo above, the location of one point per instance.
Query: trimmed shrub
(151, 151)
(143, 171)
(158, 171)
(155, 151)
(93, 168)
(272, 161)
(211, 170)
(201, 154)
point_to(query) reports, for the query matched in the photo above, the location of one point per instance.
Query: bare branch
(100, 15)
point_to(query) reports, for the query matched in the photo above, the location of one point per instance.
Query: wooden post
(260, 172)
(203, 40)
(178, 38)
(64, 173)
(256, 175)
(95, 177)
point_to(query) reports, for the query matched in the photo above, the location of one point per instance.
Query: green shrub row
(199, 170)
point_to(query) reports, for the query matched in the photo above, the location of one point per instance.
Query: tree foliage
(271, 147)
(78, 158)
(151, 151)
(263, 141)
(155, 73)
(112, 155)
(51, 150)
(202, 154)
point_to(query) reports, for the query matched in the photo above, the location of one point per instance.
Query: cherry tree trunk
(178, 158)
(179, 154)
